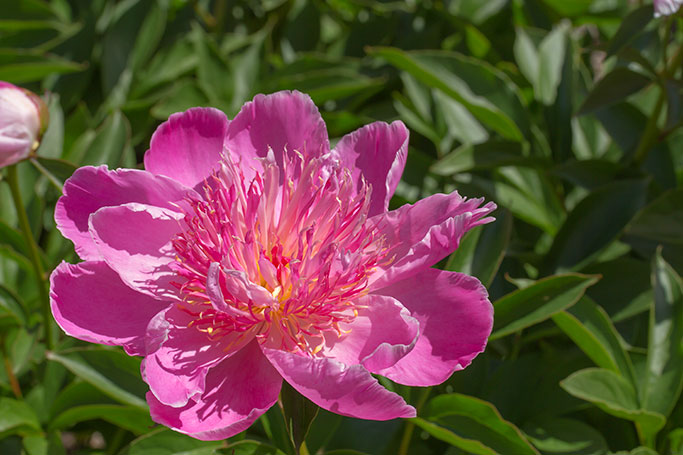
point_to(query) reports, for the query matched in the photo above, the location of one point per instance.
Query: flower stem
(14, 384)
(34, 255)
(651, 133)
(410, 426)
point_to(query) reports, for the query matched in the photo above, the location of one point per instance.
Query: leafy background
(567, 114)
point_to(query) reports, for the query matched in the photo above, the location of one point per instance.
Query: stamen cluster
(285, 260)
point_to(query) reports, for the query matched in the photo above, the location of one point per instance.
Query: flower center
(282, 256)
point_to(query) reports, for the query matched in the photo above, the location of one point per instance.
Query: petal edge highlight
(349, 391)
(456, 318)
(90, 302)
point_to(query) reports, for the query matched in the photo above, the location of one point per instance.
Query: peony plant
(23, 118)
(248, 252)
(666, 7)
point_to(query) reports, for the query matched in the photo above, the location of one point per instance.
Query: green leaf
(637, 451)
(629, 29)
(621, 298)
(182, 96)
(452, 438)
(675, 438)
(490, 154)
(299, 413)
(109, 144)
(167, 442)
(614, 87)
(132, 419)
(614, 395)
(54, 169)
(476, 10)
(111, 371)
(664, 373)
(214, 74)
(526, 56)
(345, 452)
(148, 37)
(21, 73)
(550, 60)
(591, 329)
(247, 447)
(460, 123)
(475, 419)
(594, 223)
(482, 250)
(659, 224)
(538, 302)
(11, 308)
(52, 141)
(566, 436)
(572, 8)
(17, 417)
(482, 89)
(590, 173)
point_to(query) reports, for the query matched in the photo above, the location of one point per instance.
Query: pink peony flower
(666, 7)
(23, 117)
(248, 252)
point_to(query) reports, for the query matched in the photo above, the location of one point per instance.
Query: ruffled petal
(91, 188)
(135, 241)
(455, 318)
(377, 153)
(238, 390)
(176, 371)
(422, 234)
(188, 145)
(90, 302)
(382, 333)
(349, 391)
(281, 121)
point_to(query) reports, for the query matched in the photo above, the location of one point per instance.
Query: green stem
(651, 133)
(410, 426)
(34, 254)
(13, 382)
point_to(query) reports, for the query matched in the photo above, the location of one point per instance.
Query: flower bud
(23, 119)
(667, 7)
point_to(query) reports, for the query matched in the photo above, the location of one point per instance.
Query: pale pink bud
(666, 7)
(23, 119)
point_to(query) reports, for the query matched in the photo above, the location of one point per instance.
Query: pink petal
(90, 302)
(377, 152)
(176, 370)
(381, 334)
(91, 188)
(455, 317)
(281, 121)
(426, 232)
(238, 391)
(237, 286)
(349, 391)
(135, 241)
(188, 145)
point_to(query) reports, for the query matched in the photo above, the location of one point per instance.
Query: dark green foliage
(566, 113)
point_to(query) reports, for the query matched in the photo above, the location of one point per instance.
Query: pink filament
(299, 230)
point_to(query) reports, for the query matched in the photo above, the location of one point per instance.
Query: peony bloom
(248, 252)
(666, 7)
(23, 117)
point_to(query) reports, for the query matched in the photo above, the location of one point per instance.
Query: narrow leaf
(538, 302)
(664, 373)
